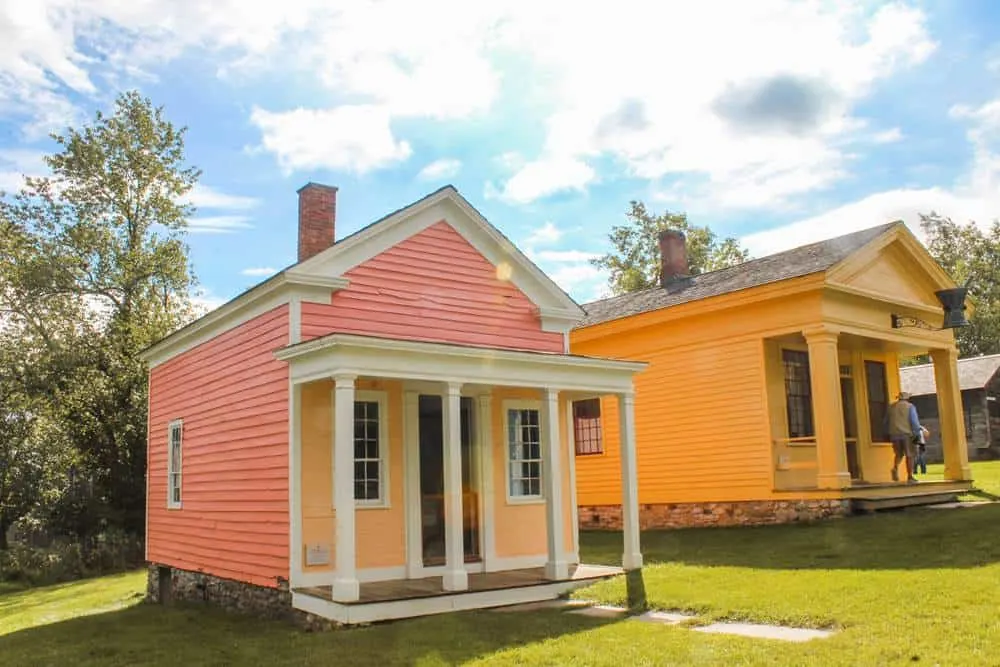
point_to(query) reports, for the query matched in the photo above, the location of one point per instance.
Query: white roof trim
(350, 354)
(316, 278)
(268, 295)
(448, 205)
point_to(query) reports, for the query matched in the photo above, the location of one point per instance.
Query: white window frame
(522, 499)
(381, 398)
(171, 473)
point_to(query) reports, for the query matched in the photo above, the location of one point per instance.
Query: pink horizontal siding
(434, 286)
(233, 397)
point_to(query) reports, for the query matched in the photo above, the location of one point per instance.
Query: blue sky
(777, 122)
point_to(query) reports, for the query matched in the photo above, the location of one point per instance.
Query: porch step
(915, 499)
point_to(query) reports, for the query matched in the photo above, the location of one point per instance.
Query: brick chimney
(674, 267)
(317, 218)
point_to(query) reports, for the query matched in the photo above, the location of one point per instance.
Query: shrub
(65, 560)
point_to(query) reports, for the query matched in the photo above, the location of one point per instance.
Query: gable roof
(973, 373)
(795, 263)
(316, 277)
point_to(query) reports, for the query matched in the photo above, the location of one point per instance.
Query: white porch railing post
(455, 577)
(632, 556)
(556, 565)
(345, 579)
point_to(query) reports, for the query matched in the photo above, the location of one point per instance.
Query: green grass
(985, 475)
(914, 587)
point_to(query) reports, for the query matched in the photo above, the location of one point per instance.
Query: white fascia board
(280, 289)
(438, 362)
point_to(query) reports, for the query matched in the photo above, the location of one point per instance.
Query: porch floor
(430, 587)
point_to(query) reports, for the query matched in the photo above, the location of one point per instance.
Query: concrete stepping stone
(663, 617)
(961, 505)
(779, 632)
(600, 611)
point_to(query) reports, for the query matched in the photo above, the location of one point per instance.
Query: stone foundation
(165, 585)
(703, 515)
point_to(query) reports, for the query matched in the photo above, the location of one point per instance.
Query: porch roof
(352, 354)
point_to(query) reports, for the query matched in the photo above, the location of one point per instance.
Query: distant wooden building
(979, 380)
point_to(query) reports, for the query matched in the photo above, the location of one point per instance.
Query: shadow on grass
(911, 539)
(147, 634)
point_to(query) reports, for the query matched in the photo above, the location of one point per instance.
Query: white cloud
(888, 136)
(205, 301)
(16, 163)
(546, 234)
(439, 169)
(583, 281)
(975, 197)
(563, 255)
(720, 103)
(259, 272)
(741, 123)
(204, 196)
(547, 176)
(352, 138)
(218, 224)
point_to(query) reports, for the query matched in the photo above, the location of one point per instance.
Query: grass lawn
(914, 587)
(985, 474)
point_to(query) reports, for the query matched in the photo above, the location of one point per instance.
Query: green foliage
(969, 251)
(66, 560)
(93, 268)
(634, 263)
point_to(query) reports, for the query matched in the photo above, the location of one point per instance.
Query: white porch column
(556, 566)
(632, 556)
(455, 577)
(345, 579)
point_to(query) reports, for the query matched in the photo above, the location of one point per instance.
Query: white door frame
(415, 568)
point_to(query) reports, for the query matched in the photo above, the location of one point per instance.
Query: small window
(175, 435)
(878, 400)
(798, 394)
(587, 427)
(993, 406)
(524, 453)
(368, 453)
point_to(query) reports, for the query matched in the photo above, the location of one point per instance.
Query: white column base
(455, 580)
(631, 561)
(346, 590)
(557, 570)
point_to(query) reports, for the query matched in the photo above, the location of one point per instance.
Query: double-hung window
(370, 471)
(524, 452)
(587, 427)
(175, 435)
(798, 394)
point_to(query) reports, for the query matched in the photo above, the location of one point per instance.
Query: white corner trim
(559, 320)
(266, 296)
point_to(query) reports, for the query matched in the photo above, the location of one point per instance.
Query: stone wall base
(165, 584)
(694, 515)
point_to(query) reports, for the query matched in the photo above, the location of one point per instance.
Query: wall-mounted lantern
(953, 303)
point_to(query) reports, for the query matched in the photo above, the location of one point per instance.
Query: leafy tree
(634, 264)
(968, 251)
(97, 270)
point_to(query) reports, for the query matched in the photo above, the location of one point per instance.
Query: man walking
(904, 430)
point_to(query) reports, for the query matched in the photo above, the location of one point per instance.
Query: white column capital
(344, 380)
(453, 388)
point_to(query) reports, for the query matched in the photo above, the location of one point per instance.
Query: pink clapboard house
(381, 430)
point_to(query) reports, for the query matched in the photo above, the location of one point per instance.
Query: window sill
(528, 500)
(172, 507)
(371, 505)
(586, 454)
